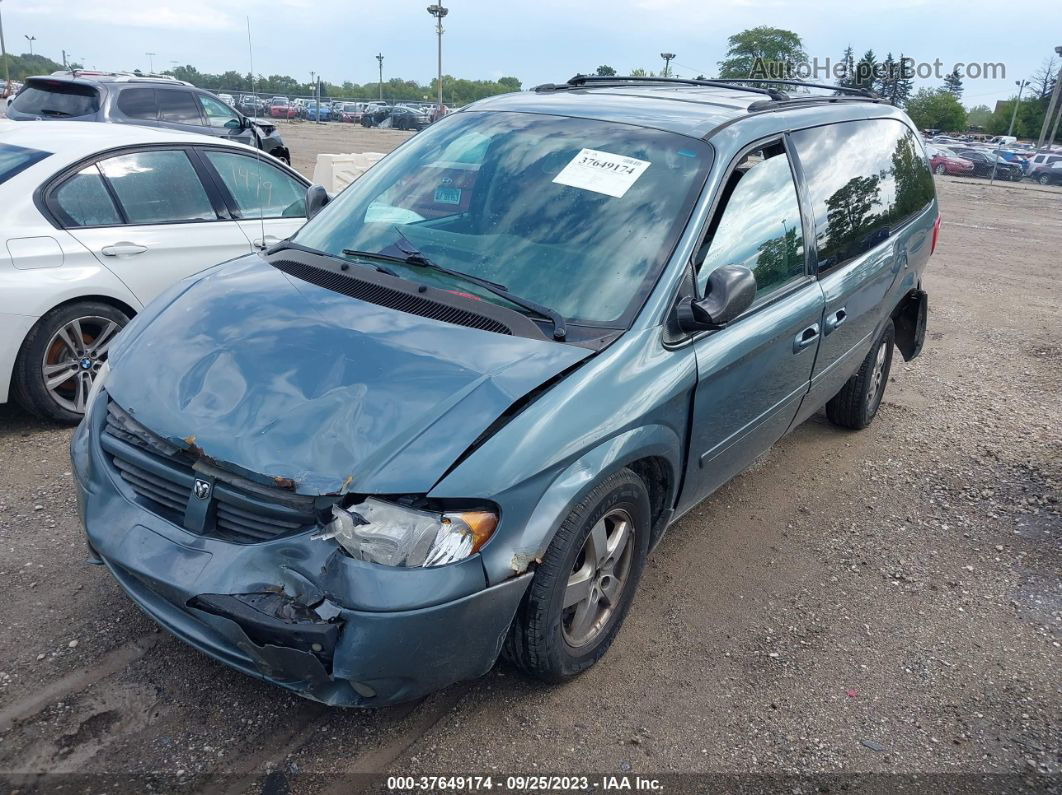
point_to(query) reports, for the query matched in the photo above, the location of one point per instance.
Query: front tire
(857, 403)
(585, 583)
(61, 356)
(940, 169)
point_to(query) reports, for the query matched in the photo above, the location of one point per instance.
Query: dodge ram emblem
(201, 488)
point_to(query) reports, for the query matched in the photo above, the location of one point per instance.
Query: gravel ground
(879, 602)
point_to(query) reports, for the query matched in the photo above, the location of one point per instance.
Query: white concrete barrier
(335, 172)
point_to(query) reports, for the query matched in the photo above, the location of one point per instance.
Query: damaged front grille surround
(194, 493)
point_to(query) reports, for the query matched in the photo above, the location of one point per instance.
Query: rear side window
(865, 178)
(15, 159)
(139, 103)
(178, 107)
(259, 188)
(83, 200)
(158, 187)
(57, 100)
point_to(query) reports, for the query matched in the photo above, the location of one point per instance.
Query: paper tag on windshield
(602, 172)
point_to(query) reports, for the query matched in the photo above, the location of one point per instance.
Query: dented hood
(273, 377)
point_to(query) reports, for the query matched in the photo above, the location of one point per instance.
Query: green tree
(846, 79)
(978, 116)
(936, 109)
(866, 71)
(26, 65)
(606, 71)
(953, 83)
(769, 52)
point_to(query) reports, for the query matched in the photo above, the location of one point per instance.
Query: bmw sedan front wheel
(585, 583)
(61, 356)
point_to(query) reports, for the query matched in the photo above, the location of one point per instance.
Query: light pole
(1013, 117)
(667, 56)
(1052, 107)
(151, 62)
(3, 57)
(439, 12)
(379, 59)
(31, 39)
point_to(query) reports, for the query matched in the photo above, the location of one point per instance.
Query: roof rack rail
(859, 92)
(581, 80)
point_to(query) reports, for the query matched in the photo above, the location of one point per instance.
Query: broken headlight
(395, 535)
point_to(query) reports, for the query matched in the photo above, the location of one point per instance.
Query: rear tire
(48, 347)
(857, 403)
(554, 642)
(940, 169)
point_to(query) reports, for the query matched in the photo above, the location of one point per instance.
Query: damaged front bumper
(294, 611)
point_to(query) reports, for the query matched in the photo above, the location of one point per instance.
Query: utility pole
(31, 39)
(379, 59)
(64, 59)
(1010, 130)
(151, 62)
(3, 57)
(439, 12)
(1052, 109)
(668, 57)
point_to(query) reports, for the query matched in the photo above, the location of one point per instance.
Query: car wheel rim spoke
(73, 357)
(596, 583)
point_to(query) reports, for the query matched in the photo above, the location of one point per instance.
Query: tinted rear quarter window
(138, 103)
(178, 107)
(866, 178)
(57, 100)
(16, 159)
(82, 200)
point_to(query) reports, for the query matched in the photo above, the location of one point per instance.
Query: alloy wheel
(598, 578)
(73, 358)
(877, 377)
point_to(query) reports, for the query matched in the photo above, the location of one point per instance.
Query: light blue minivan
(450, 417)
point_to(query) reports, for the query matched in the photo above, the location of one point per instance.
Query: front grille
(163, 477)
(392, 299)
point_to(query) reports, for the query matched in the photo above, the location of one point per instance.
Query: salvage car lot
(895, 589)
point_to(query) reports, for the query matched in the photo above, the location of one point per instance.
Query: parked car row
(950, 155)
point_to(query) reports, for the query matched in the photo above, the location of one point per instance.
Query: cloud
(188, 15)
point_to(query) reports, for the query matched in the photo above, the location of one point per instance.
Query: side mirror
(316, 198)
(731, 290)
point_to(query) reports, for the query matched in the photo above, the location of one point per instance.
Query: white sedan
(98, 219)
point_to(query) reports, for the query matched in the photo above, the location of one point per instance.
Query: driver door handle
(122, 249)
(808, 336)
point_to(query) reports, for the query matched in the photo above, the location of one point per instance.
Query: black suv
(155, 101)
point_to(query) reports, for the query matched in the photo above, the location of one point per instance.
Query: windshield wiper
(292, 245)
(414, 256)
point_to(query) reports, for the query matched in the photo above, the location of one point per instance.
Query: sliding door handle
(834, 320)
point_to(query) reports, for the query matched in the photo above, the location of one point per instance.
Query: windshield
(15, 159)
(57, 101)
(576, 215)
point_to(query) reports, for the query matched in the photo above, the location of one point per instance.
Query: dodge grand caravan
(449, 418)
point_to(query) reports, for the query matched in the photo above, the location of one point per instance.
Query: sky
(537, 42)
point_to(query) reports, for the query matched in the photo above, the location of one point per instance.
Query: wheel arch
(909, 319)
(653, 452)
